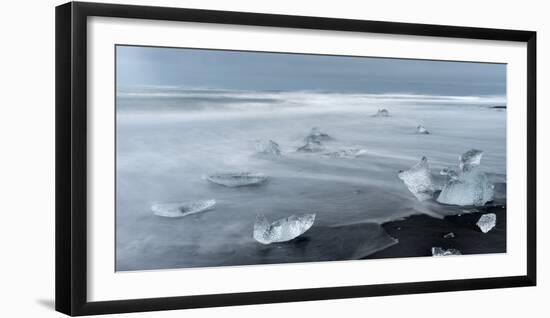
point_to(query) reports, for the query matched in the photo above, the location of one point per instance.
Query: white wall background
(27, 157)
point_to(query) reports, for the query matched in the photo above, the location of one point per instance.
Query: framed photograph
(213, 158)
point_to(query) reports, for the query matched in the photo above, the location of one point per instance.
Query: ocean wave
(297, 98)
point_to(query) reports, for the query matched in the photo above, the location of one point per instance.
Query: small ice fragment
(438, 251)
(268, 148)
(347, 153)
(449, 235)
(487, 222)
(469, 188)
(317, 135)
(180, 209)
(282, 230)
(382, 112)
(418, 180)
(422, 130)
(311, 146)
(237, 179)
(313, 141)
(469, 159)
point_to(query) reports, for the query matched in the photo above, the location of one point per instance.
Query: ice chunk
(421, 130)
(282, 230)
(418, 180)
(317, 135)
(237, 179)
(449, 235)
(382, 112)
(470, 159)
(487, 222)
(469, 185)
(347, 153)
(180, 209)
(269, 147)
(311, 146)
(438, 251)
(313, 141)
(468, 188)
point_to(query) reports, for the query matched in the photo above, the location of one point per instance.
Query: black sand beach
(417, 235)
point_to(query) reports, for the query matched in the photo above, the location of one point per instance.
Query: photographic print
(228, 158)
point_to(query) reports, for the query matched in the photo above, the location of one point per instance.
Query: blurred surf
(166, 142)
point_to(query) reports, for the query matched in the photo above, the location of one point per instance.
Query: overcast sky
(195, 68)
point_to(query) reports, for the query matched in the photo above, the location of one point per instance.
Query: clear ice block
(469, 188)
(422, 130)
(418, 180)
(469, 185)
(282, 230)
(268, 147)
(438, 251)
(317, 135)
(180, 209)
(347, 153)
(237, 179)
(382, 112)
(487, 222)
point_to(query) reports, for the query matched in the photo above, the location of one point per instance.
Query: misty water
(169, 140)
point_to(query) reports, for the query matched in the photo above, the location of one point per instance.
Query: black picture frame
(71, 157)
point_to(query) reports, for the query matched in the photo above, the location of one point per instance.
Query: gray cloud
(196, 68)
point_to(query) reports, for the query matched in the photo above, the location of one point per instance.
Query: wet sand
(319, 244)
(417, 235)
